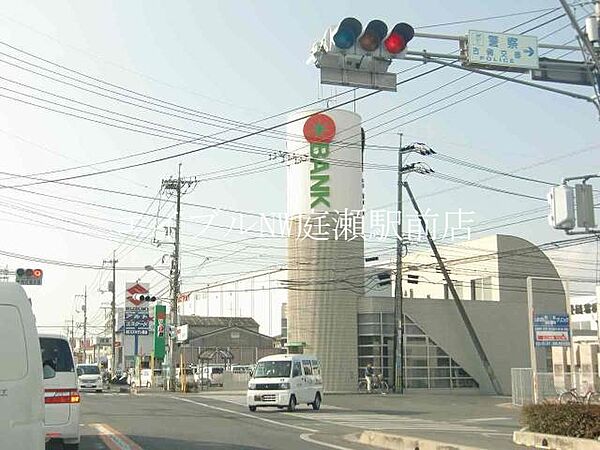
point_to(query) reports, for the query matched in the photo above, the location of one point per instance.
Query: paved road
(218, 422)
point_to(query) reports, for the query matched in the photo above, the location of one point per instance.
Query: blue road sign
(137, 321)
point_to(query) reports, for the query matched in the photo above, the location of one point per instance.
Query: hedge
(570, 419)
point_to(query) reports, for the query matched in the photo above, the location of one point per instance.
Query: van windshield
(273, 369)
(89, 370)
(57, 354)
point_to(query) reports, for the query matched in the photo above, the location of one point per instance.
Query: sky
(203, 67)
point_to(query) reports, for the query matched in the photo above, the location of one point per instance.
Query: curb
(553, 441)
(397, 442)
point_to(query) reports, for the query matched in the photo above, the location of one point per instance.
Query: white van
(21, 376)
(90, 377)
(61, 393)
(285, 381)
(210, 376)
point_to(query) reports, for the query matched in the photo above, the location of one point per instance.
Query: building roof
(221, 322)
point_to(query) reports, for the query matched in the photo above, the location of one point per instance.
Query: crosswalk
(337, 416)
(374, 421)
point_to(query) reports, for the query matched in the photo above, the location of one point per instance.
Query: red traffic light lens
(394, 43)
(37, 273)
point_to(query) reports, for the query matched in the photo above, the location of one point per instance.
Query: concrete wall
(502, 326)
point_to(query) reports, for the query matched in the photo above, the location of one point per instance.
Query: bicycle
(378, 385)
(573, 396)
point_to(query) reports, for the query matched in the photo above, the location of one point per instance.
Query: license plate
(257, 398)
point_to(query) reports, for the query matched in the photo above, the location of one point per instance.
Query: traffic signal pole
(398, 292)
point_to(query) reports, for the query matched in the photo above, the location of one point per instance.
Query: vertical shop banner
(160, 326)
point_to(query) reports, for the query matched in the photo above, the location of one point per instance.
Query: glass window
(369, 329)
(89, 369)
(12, 345)
(416, 340)
(297, 371)
(417, 383)
(416, 362)
(412, 329)
(273, 369)
(439, 362)
(316, 367)
(369, 318)
(307, 367)
(57, 354)
(439, 373)
(436, 351)
(412, 372)
(439, 383)
(415, 351)
(464, 383)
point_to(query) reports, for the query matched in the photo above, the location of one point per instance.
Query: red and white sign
(559, 336)
(135, 288)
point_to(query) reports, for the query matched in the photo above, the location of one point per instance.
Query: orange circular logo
(319, 128)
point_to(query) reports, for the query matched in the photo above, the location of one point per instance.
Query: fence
(550, 385)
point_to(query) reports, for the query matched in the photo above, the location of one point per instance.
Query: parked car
(210, 375)
(190, 381)
(21, 373)
(61, 393)
(241, 369)
(90, 377)
(146, 378)
(285, 381)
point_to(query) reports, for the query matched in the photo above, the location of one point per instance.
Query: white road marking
(389, 422)
(251, 416)
(307, 437)
(241, 401)
(487, 419)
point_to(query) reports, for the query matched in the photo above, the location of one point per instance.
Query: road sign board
(137, 320)
(182, 332)
(551, 330)
(510, 51)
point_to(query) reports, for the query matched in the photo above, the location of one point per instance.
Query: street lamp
(422, 168)
(152, 269)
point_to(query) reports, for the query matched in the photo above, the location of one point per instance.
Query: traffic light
(346, 33)
(349, 55)
(373, 35)
(398, 39)
(29, 276)
(144, 297)
(562, 207)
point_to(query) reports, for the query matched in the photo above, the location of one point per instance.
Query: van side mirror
(49, 372)
(79, 371)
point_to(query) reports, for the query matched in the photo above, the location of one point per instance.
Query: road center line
(251, 416)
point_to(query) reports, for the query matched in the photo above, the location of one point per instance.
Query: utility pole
(113, 310)
(85, 324)
(177, 186)
(398, 293)
(461, 309)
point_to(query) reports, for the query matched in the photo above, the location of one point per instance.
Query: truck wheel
(292, 404)
(252, 408)
(316, 405)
